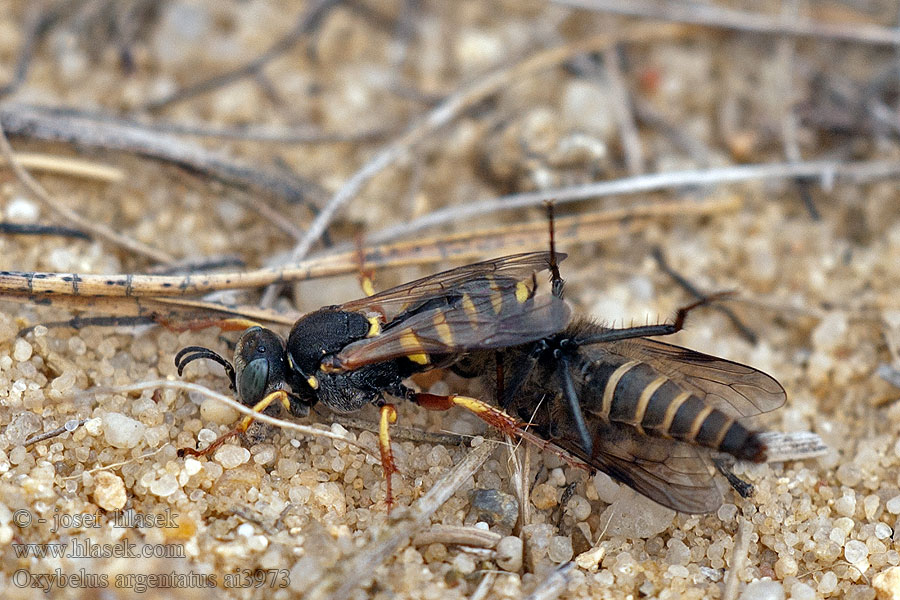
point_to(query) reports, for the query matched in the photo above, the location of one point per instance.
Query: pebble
(802, 591)
(192, 466)
(231, 456)
(495, 508)
(109, 491)
(763, 589)
(544, 496)
(727, 512)
(214, 411)
(22, 210)
(827, 583)
(855, 551)
(831, 331)
(121, 431)
(893, 505)
(464, 564)
(22, 350)
(164, 486)
(560, 549)
(509, 553)
(633, 515)
(21, 427)
(846, 504)
(887, 584)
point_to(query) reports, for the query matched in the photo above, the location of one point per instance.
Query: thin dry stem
(351, 571)
(73, 167)
(199, 389)
(723, 18)
(100, 231)
(454, 106)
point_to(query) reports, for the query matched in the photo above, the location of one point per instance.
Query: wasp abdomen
(637, 394)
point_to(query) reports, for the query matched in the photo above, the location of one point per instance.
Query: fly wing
(737, 390)
(483, 322)
(671, 473)
(392, 302)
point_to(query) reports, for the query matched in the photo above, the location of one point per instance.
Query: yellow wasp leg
(388, 416)
(242, 426)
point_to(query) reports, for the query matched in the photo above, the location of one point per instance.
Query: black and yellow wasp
(350, 355)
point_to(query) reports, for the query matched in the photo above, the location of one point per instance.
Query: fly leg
(280, 395)
(613, 335)
(743, 488)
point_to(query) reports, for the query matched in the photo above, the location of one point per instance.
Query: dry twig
(350, 572)
(826, 171)
(716, 16)
(98, 230)
(109, 133)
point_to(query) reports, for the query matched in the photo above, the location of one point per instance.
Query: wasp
(350, 355)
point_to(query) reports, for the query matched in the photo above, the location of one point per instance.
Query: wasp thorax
(259, 364)
(321, 334)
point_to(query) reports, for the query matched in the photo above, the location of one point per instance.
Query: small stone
(849, 474)
(579, 508)
(495, 508)
(331, 495)
(231, 456)
(22, 350)
(763, 589)
(21, 427)
(560, 549)
(164, 486)
(883, 531)
(827, 583)
(192, 466)
(435, 553)
(537, 540)
(887, 584)
(846, 504)
(109, 491)
(678, 571)
(464, 564)
(633, 515)
(855, 551)
(509, 553)
(214, 411)
(893, 505)
(544, 496)
(678, 552)
(22, 210)
(121, 431)
(830, 332)
(727, 512)
(802, 591)
(785, 566)
(94, 426)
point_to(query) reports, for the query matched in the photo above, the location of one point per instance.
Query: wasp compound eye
(252, 381)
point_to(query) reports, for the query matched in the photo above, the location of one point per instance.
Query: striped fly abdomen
(635, 393)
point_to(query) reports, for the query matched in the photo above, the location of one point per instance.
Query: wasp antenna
(556, 280)
(192, 353)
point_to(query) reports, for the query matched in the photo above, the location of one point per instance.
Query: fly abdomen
(637, 394)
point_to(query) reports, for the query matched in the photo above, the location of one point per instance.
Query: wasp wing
(391, 303)
(669, 472)
(483, 321)
(736, 389)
